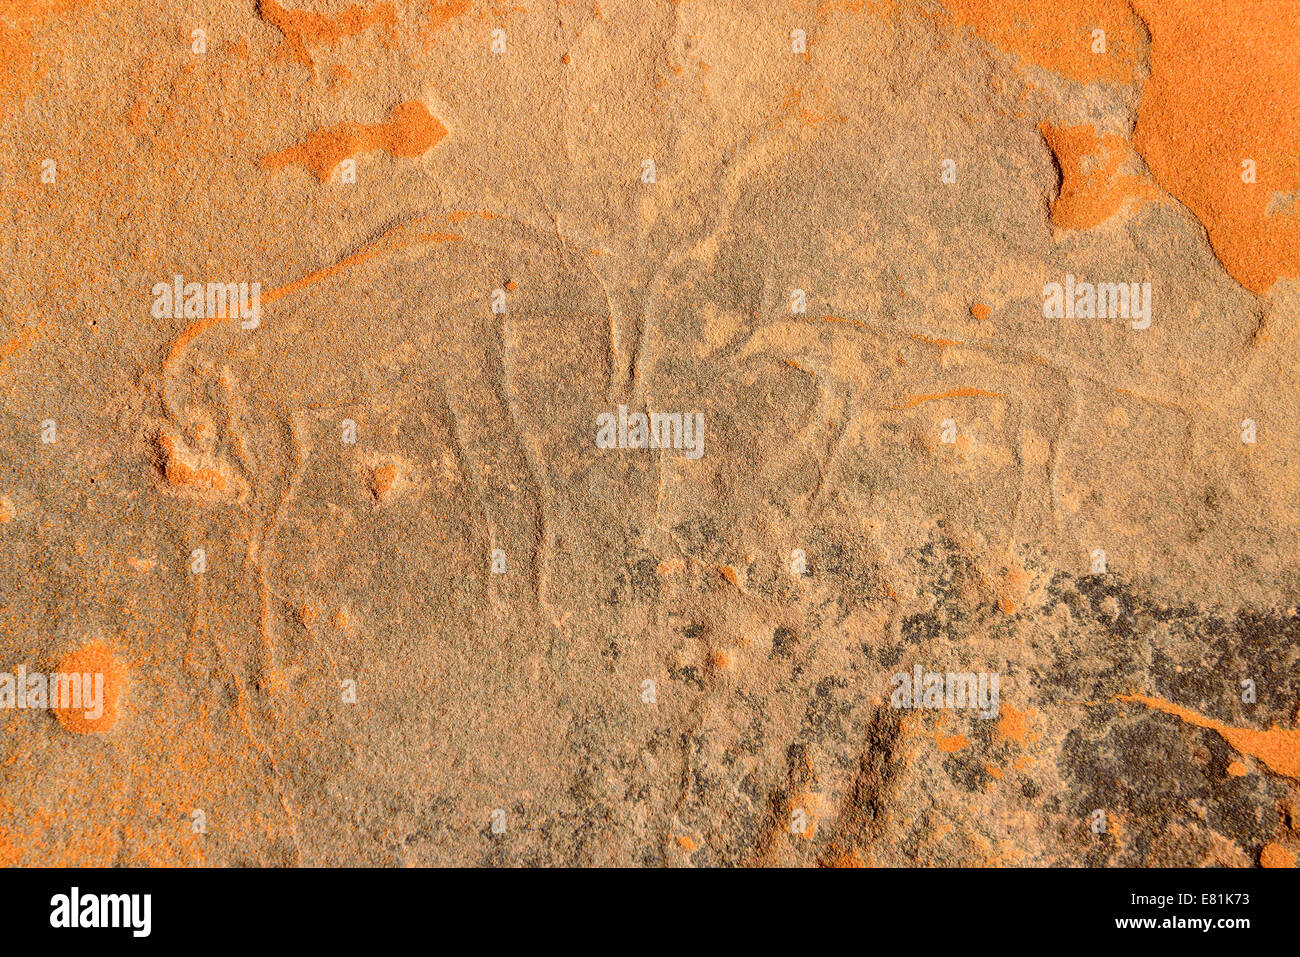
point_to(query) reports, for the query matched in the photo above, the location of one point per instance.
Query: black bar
(332, 907)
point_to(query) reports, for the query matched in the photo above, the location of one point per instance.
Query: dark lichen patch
(889, 655)
(1159, 783)
(783, 642)
(953, 588)
(1199, 656)
(849, 570)
(688, 674)
(1214, 665)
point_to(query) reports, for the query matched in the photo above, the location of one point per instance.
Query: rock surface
(368, 589)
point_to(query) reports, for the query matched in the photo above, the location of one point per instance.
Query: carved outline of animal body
(280, 433)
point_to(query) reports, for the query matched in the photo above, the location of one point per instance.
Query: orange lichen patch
(142, 564)
(135, 116)
(951, 743)
(1013, 589)
(377, 248)
(1013, 727)
(18, 343)
(180, 470)
(93, 820)
(442, 12)
(1237, 770)
(931, 340)
(734, 575)
(687, 843)
(1058, 36)
(1018, 579)
(188, 335)
(981, 312)
(1203, 113)
(1277, 748)
(7, 510)
(1274, 855)
(723, 661)
(993, 771)
(962, 393)
(21, 21)
(1092, 187)
(21, 72)
(383, 480)
(93, 659)
(303, 29)
(410, 130)
(849, 858)
(460, 215)
(670, 566)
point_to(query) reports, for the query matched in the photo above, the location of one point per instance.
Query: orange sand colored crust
(93, 659)
(1092, 187)
(410, 130)
(303, 29)
(1274, 855)
(382, 481)
(981, 312)
(1277, 748)
(1202, 111)
(1224, 88)
(1058, 36)
(1237, 769)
